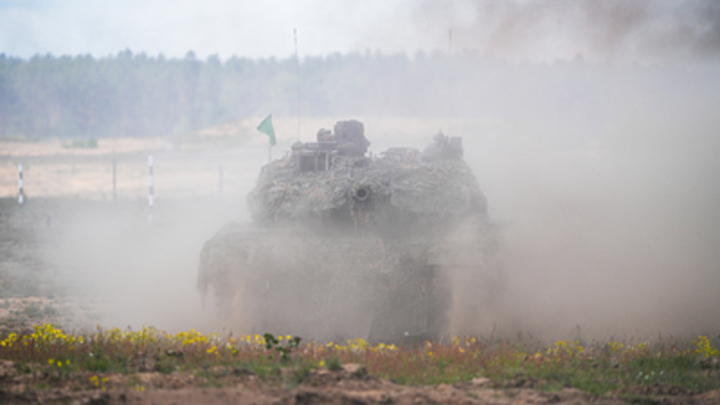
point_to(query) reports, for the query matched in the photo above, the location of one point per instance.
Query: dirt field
(350, 385)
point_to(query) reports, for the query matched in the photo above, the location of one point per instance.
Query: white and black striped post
(151, 196)
(21, 196)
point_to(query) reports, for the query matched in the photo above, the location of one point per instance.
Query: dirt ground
(350, 385)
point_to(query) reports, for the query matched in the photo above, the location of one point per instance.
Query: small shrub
(50, 311)
(334, 364)
(33, 311)
(271, 342)
(99, 365)
(300, 374)
(165, 365)
(89, 143)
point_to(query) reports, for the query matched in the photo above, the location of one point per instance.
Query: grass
(596, 368)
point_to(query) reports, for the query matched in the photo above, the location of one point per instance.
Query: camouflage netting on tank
(408, 184)
(445, 186)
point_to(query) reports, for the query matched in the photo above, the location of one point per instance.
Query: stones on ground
(481, 382)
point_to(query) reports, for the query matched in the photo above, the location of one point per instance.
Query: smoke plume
(602, 31)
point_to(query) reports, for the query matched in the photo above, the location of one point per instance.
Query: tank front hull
(326, 286)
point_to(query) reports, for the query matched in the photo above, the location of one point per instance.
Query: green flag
(267, 128)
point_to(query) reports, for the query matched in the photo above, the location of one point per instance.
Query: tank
(344, 244)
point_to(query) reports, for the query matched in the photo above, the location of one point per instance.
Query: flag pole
(297, 81)
(266, 127)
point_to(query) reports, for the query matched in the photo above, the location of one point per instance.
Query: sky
(638, 31)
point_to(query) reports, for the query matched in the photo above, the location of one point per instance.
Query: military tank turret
(344, 244)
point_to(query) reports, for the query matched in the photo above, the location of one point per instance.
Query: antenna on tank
(297, 81)
(449, 80)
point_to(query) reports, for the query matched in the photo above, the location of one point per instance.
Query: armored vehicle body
(344, 244)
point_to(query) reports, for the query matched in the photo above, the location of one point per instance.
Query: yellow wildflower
(704, 348)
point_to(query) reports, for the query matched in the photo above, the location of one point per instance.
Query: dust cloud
(593, 130)
(614, 234)
(609, 226)
(600, 243)
(610, 229)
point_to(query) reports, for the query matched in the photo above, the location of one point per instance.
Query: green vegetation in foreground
(597, 368)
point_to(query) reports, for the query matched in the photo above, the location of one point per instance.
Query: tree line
(139, 95)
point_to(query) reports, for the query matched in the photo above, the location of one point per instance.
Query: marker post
(21, 195)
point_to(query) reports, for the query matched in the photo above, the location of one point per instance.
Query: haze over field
(592, 128)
